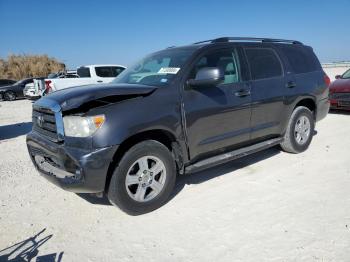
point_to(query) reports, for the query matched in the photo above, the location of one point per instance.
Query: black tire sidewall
(9, 96)
(302, 111)
(117, 193)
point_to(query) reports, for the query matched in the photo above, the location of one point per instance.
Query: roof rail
(250, 39)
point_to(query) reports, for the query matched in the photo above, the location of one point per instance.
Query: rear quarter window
(264, 63)
(302, 59)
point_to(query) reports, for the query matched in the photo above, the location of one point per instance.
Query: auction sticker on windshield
(169, 70)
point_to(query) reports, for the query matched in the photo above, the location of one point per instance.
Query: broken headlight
(82, 126)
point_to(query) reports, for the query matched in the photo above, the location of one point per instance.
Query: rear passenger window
(108, 71)
(301, 59)
(263, 63)
(116, 71)
(103, 71)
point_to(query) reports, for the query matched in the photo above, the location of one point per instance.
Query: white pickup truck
(87, 75)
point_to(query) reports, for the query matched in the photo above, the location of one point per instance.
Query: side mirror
(207, 76)
(337, 76)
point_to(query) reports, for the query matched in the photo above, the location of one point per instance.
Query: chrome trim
(56, 108)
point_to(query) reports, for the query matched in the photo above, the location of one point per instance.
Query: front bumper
(73, 169)
(340, 104)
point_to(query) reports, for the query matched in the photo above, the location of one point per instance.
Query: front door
(217, 117)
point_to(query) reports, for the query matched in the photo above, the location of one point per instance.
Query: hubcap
(302, 130)
(145, 178)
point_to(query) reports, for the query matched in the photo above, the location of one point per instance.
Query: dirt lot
(271, 206)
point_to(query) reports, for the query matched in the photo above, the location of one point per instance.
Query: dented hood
(74, 97)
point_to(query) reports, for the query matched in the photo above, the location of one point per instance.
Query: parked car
(178, 111)
(89, 74)
(339, 92)
(35, 89)
(6, 82)
(14, 91)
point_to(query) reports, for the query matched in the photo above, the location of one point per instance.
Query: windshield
(346, 75)
(157, 69)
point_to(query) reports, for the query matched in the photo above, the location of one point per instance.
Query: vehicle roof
(241, 40)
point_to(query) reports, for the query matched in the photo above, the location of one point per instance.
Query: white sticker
(169, 70)
(163, 80)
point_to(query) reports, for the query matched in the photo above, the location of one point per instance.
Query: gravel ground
(271, 206)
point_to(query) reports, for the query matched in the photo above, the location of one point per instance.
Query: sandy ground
(271, 206)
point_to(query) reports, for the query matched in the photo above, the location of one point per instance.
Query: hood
(102, 94)
(340, 85)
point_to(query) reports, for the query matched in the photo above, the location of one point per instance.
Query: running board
(238, 153)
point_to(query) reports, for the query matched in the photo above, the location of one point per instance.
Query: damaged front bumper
(74, 169)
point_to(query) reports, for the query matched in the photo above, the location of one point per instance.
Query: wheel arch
(164, 137)
(307, 102)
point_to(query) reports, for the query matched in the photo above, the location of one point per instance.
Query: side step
(235, 154)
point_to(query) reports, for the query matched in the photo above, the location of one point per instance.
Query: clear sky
(106, 31)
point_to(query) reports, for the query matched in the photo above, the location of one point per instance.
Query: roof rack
(250, 39)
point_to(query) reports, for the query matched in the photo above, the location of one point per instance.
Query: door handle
(99, 81)
(242, 93)
(291, 84)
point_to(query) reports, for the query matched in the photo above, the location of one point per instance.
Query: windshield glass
(157, 69)
(346, 75)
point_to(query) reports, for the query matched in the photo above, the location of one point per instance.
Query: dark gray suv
(177, 111)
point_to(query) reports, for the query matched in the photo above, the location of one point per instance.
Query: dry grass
(22, 66)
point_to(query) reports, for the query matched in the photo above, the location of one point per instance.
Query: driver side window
(226, 60)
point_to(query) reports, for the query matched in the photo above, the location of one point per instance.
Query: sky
(121, 32)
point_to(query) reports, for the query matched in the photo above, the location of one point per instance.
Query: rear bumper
(322, 109)
(73, 169)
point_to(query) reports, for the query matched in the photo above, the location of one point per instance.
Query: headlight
(78, 126)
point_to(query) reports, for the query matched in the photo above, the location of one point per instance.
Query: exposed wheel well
(308, 103)
(162, 136)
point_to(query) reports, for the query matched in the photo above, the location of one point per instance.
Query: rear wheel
(144, 178)
(9, 96)
(299, 131)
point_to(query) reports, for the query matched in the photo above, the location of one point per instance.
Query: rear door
(268, 91)
(217, 117)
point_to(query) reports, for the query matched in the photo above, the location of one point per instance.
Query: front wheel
(299, 131)
(143, 179)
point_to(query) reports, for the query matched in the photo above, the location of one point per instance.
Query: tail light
(327, 80)
(47, 86)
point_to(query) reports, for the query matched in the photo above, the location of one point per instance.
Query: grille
(44, 122)
(340, 96)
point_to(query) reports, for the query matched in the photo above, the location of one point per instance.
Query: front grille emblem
(40, 121)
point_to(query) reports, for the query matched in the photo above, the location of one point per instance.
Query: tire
(1, 96)
(9, 96)
(129, 198)
(301, 120)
